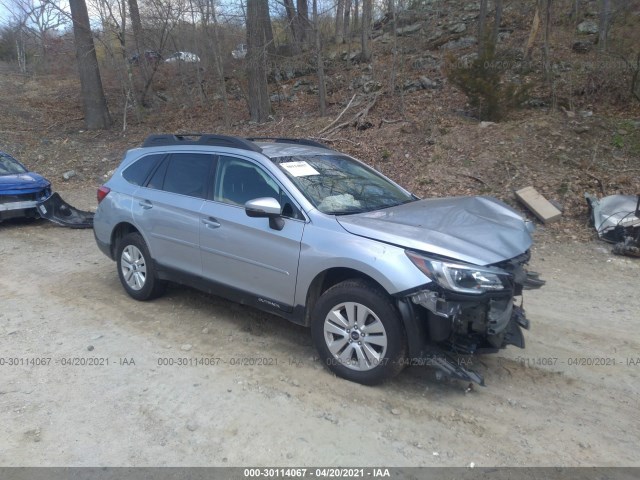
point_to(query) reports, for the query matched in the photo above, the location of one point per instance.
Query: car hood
(478, 230)
(22, 183)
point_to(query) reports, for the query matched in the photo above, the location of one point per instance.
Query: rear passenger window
(139, 170)
(188, 174)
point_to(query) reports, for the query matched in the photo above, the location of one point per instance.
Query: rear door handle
(211, 222)
(146, 204)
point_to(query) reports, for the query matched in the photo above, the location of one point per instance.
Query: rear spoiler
(58, 211)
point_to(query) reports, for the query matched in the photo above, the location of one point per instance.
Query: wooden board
(540, 206)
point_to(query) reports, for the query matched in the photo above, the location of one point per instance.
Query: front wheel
(358, 332)
(135, 268)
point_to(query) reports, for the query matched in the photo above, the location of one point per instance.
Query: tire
(136, 269)
(358, 332)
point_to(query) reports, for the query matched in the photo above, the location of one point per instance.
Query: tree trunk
(339, 21)
(347, 20)
(96, 113)
(482, 24)
(535, 28)
(322, 93)
(605, 18)
(267, 30)
(496, 24)
(136, 23)
(367, 12)
(356, 15)
(219, 64)
(547, 39)
(259, 104)
(294, 26)
(303, 19)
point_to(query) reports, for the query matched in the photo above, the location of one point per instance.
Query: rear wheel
(358, 332)
(135, 268)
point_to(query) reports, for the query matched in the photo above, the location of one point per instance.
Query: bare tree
(603, 28)
(347, 20)
(136, 24)
(294, 25)
(496, 23)
(339, 29)
(547, 40)
(322, 93)
(356, 15)
(367, 14)
(38, 21)
(210, 22)
(259, 103)
(535, 28)
(482, 25)
(303, 19)
(96, 113)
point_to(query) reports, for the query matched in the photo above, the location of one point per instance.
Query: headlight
(459, 277)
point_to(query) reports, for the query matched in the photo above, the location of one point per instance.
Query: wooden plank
(540, 206)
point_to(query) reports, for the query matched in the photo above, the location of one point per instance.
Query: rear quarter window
(138, 171)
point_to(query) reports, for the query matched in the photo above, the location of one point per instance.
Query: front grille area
(27, 197)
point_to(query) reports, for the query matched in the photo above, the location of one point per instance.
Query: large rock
(464, 42)
(588, 27)
(457, 27)
(409, 30)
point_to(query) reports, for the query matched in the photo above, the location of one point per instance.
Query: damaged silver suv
(297, 229)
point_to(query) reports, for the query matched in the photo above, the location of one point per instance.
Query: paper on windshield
(299, 169)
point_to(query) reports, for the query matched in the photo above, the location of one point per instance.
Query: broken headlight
(460, 277)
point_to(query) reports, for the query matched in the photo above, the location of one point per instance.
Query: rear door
(243, 252)
(167, 209)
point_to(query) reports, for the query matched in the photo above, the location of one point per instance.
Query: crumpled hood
(22, 183)
(478, 230)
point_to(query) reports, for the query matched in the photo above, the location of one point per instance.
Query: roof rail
(200, 139)
(298, 141)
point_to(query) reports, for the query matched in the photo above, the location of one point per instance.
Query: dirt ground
(570, 398)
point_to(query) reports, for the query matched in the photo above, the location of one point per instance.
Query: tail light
(103, 192)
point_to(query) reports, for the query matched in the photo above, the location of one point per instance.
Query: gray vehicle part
(60, 212)
(616, 218)
(614, 211)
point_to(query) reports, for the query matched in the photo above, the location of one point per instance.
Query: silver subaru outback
(294, 228)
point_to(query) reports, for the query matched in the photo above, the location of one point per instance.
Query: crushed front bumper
(60, 212)
(447, 325)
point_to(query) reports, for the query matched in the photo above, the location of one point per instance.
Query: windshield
(8, 166)
(338, 185)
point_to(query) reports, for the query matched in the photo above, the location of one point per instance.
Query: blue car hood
(478, 230)
(22, 183)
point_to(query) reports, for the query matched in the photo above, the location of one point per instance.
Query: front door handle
(146, 204)
(211, 222)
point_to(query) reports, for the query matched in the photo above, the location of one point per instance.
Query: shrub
(482, 81)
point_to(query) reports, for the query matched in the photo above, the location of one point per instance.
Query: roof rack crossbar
(298, 141)
(161, 140)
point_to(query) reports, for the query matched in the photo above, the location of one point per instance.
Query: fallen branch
(384, 120)
(357, 120)
(339, 116)
(477, 179)
(331, 140)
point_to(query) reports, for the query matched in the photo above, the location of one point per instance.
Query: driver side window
(238, 181)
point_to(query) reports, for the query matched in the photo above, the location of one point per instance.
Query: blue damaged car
(20, 189)
(25, 194)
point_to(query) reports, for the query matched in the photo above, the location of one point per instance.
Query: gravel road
(94, 383)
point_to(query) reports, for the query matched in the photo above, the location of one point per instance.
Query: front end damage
(454, 323)
(56, 210)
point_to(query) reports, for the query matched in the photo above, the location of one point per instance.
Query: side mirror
(265, 207)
